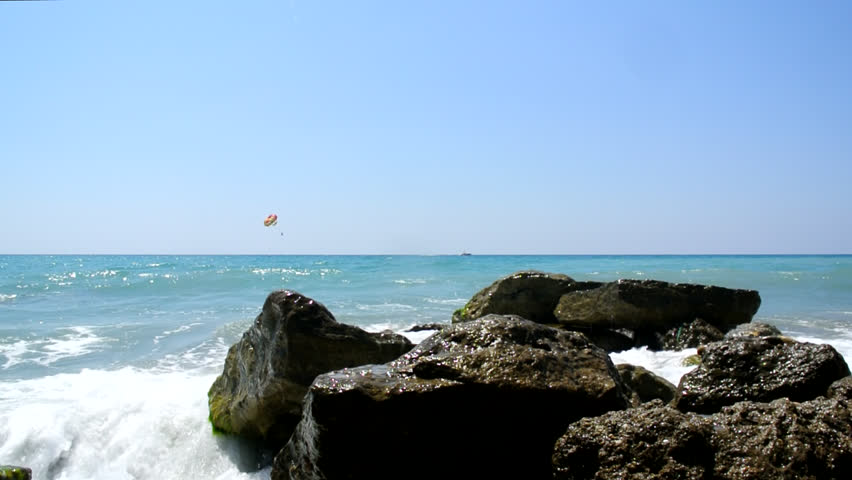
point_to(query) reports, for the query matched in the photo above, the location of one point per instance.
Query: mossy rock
(9, 472)
(691, 361)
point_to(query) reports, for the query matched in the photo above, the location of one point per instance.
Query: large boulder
(267, 373)
(480, 399)
(648, 442)
(530, 294)
(781, 439)
(758, 369)
(655, 305)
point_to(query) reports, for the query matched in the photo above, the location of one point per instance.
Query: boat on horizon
(465, 254)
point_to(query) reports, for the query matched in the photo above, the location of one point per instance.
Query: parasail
(271, 220)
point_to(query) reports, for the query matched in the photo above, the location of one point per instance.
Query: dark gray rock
(656, 306)
(755, 441)
(646, 385)
(691, 335)
(648, 442)
(754, 329)
(267, 373)
(758, 369)
(427, 326)
(480, 399)
(529, 294)
(841, 389)
(609, 340)
(783, 439)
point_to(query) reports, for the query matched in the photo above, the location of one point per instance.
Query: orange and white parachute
(271, 220)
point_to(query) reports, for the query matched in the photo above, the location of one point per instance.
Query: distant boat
(465, 254)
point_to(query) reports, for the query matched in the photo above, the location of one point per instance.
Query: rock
(10, 472)
(754, 329)
(267, 373)
(781, 439)
(609, 340)
(691, 361)
(648, 442)
(646, 385)
(691, 335)
(529, 294)
(427, 326)
(841, 389)
(655, 305)
(480, 399)
(758, 369)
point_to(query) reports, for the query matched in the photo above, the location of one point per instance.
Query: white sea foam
(415, 281)
(124, 424)
(78, 341)
(667, 364)
(14, 353)
(182, 328)
(385, 307)
(5, 297)
(447, 301)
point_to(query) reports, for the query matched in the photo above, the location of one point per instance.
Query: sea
(105, 361)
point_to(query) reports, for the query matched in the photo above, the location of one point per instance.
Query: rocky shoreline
(520, 384)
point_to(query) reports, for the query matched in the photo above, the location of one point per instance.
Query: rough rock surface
(758, 369)
(655, 305)
(781, 439)
(268, 372)
(691, 335)
(754, 329)
(841, 389)
(645, 385)
(529, 294)
(480, 399)
(648, 442)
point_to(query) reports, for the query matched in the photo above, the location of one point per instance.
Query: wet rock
(609, 340)
(427, 326)
(645, 385)
(754, 329)
(480, 399)
(841, 389)
(656, 306)
(529, 294)
(691, 335)
(648, 442)
(758, 369)
(267, 373)
(10, 472)
(781, 439)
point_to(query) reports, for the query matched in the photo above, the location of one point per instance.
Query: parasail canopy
(271, 220)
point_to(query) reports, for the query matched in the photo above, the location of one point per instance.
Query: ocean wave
(100, 424)
(78, 341)
(447, 301)
(385, 307)
(182, 328)
(667, 364)
(6, 297)
(418, 281)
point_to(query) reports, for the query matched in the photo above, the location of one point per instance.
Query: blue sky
(426, 127)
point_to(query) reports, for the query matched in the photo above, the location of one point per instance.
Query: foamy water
(122, 424)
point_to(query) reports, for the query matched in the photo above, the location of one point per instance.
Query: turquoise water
(115, 353)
